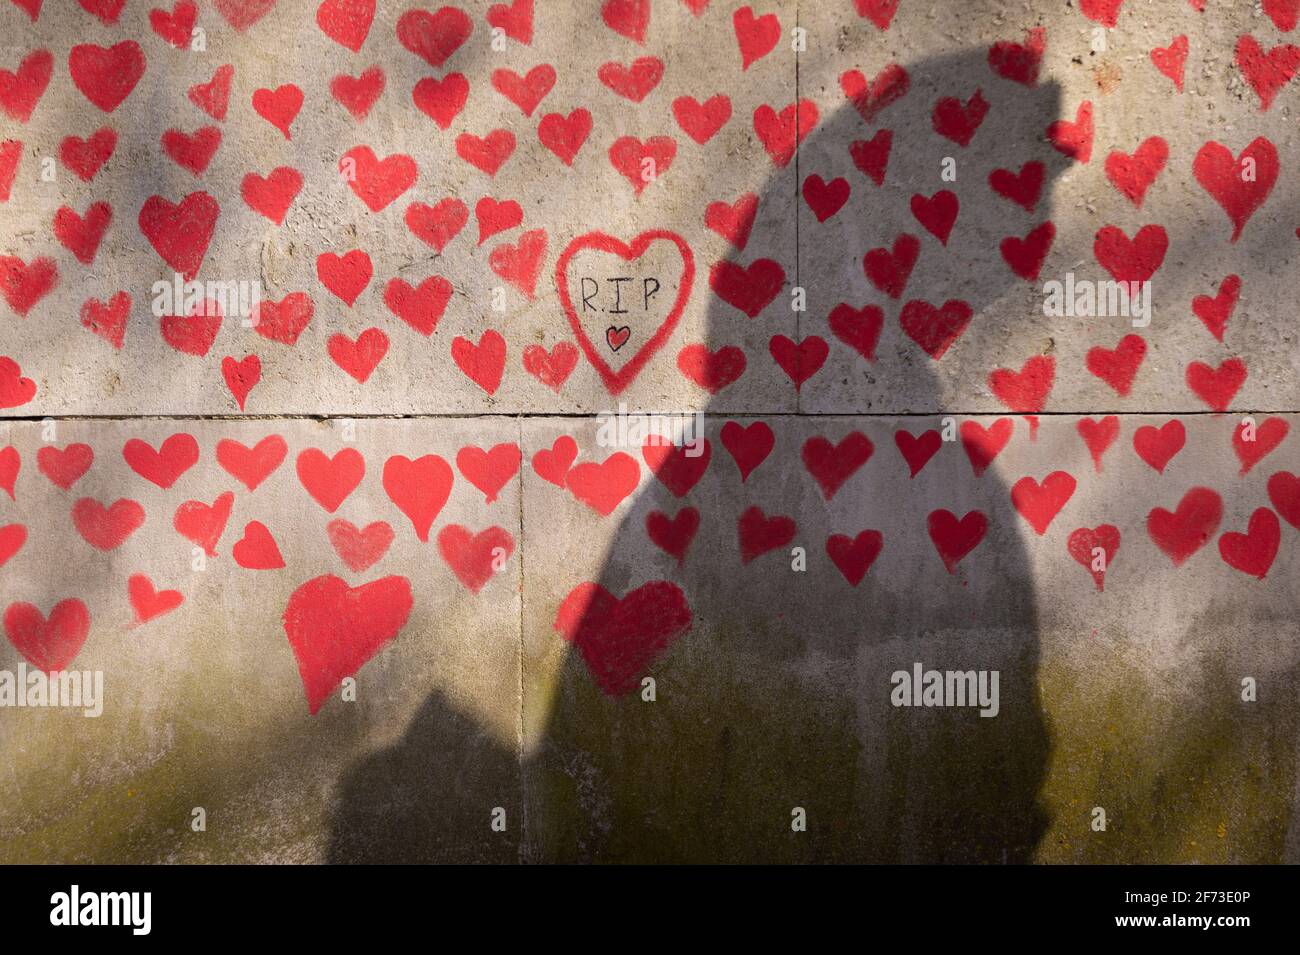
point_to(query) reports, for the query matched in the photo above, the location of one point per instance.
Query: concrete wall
(369, 576)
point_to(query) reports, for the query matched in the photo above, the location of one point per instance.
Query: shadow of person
(774, 707)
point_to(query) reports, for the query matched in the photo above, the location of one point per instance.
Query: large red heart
(330, 480)
(617, 381)
(490, 470)
(106, 528)
(49, 644)
(85, 156)
(22, 90)
(434, 37)
(346, 22)
(1266, 72)
(620, 638)
(335, 629)
(64, 467)
(176, 455)
(749, 445)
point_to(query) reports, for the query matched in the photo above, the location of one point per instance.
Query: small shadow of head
(777, 698)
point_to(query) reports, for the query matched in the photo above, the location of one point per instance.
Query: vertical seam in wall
(519, 662)
(798, 316)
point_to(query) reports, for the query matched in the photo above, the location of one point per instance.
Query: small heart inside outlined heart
(617, 337)
(618, 297)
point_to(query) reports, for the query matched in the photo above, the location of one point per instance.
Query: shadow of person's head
(776, 698)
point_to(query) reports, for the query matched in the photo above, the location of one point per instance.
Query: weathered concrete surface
(503, 716)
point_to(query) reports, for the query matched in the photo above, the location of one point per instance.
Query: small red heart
(1284, 492)
(49, 644)
(434, 37)
(330, 480)
(486, 153)
(24, 285)
(213, 97)
(1285, 14)
(1182, 533)
(1040, 503)
(15, 390)
(825, 198)
(285, 320)
(257, 549)
(192, 151)
(673, 535)
(831, 465)
(279, 106)
(799, 361)
(106, 75)
(242, 14)
(483, 363)
(272, 195)
(934, 329)
(1025, 256)
(780, 133)
(1157, 446)
(419, 488)
(701, 121)
(1105, 12)
(917, 451)
(1266, 72)
(358, 94)
(937, 213)
(346, 22)
(678, 468)
(164, 466)
(490, 470)
(551, 368)
(1022, 188)
(438, 224)
(360, 356)
(65, 467)
(180, 232)
(553, 464)
(1216, 386)
(377, 182)
(756, 36)
(441, 99)
(203, 524)
(749, 288)
(1218, 172)
(528, 91)
(1083, 544)
(853, 556)
(1264, 438)
(241, 376)
(147, 602)
(954, 538)
(1172, 59)
(359, 549)
(760, 534)
(642, 162)
(889, 269)
(81, 235)
(521, 263)
(514, 19)
(10, 464)
(1253, 552)
(106, 528)
(1215, 312)
(494, 217)
(108, 320)
(474, 558)
(733, 222)
(982, 444)
(629, 18)
(421, 307)
(85, 157)
(1026, 390)
(563, 135)
(959, 121)
(859, 328)
(871, 156)
(1133, 175)
(12, 538)
(22, 90)
(749, 445)
(1118, 366)
(252, 466)
(1074, 139)
(634, 82)
(603, 485)
(879, 12)
(347, 275)
(869, 98)
(1019, 62)
(1098, 436)
(192, 334)
(1131, 260)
